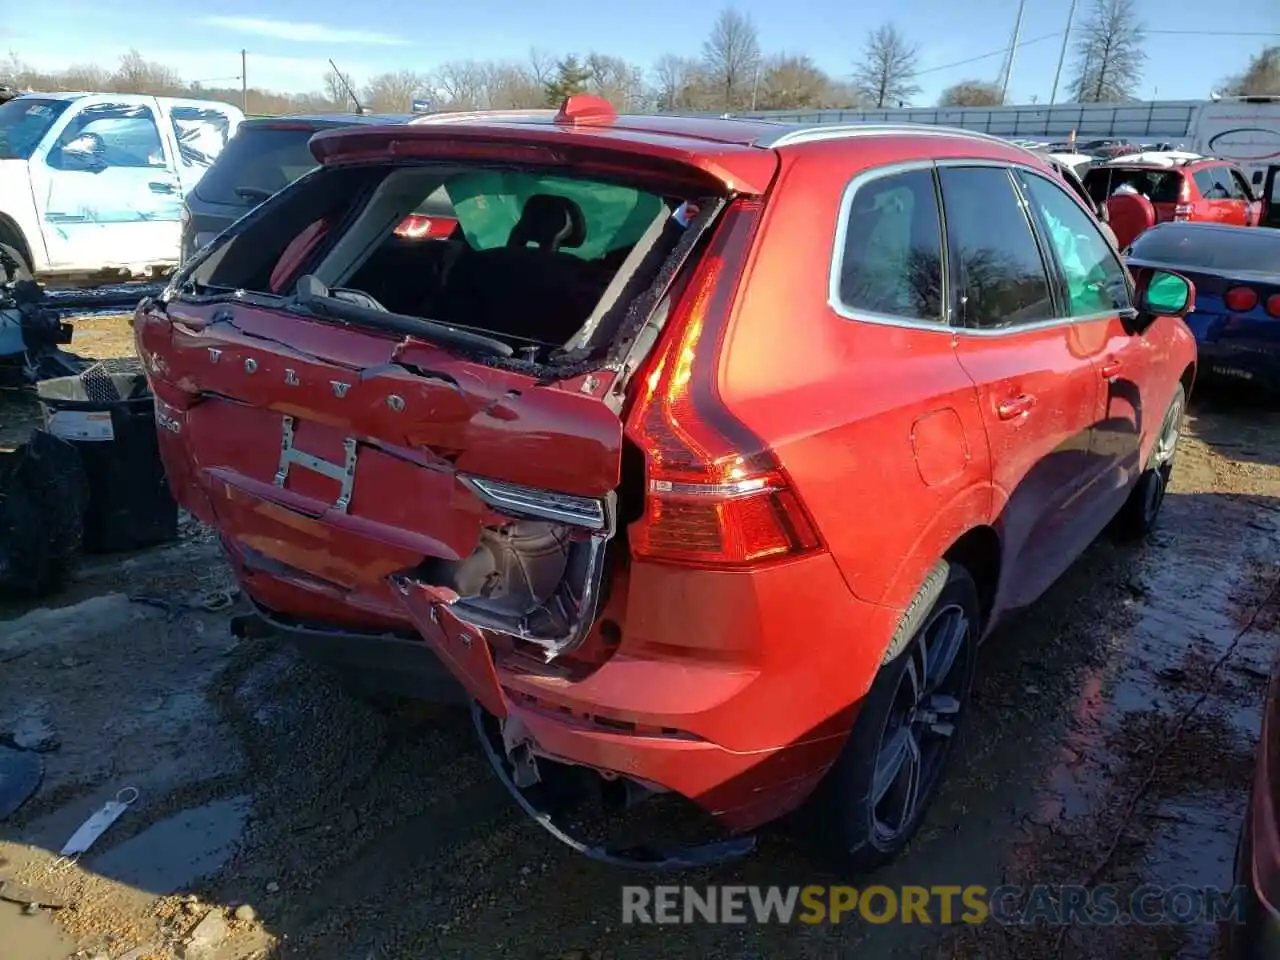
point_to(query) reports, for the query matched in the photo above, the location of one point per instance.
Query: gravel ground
(1111, 742)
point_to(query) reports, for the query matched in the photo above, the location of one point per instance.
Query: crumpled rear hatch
(425, 453)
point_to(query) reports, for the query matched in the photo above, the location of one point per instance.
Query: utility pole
(1062, 54)
(244, 83)
(1013, 48)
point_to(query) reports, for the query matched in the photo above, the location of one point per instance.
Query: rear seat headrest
(550, 221)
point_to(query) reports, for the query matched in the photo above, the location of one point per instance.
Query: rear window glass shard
(531, 260)
(891, 263)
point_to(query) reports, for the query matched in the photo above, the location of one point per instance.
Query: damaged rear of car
(419, 447)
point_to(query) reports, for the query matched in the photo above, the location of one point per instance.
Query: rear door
(200, 130)
(1239, 205)
(1271, 198)
(1035, 377)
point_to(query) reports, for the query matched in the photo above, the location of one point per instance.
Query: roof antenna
(350, 93)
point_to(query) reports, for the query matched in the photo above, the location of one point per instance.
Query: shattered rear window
(489, 203)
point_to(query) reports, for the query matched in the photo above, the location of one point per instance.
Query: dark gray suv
(267, 154)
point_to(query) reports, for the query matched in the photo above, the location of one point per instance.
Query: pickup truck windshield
(23, 124)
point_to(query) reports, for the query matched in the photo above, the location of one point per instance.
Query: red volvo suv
(703, 453)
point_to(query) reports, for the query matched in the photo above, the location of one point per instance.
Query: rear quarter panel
(878, 426)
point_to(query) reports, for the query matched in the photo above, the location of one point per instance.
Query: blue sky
(289, 40)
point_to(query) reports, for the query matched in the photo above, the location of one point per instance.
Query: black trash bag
(43, 497)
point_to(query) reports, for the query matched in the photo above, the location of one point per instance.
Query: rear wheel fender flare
(967, 510)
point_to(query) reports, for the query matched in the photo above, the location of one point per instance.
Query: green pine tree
(571, 78)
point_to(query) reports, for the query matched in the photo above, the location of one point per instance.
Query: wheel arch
(978, 550)
(954, 527)
(13, 235)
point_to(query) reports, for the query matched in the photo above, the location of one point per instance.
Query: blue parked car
(1236, 272)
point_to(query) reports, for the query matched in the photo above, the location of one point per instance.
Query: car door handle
(1110, 369)
(1015, 407)
(159, 186)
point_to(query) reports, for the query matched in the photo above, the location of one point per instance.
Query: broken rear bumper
(736, 691)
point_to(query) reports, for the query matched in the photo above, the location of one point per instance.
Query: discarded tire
(43, 496)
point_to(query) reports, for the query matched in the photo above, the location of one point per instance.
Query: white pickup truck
(91, 184)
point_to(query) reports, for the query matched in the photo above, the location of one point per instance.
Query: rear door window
(257, 162)
(201, 134)
(891, 263)
(999, 273)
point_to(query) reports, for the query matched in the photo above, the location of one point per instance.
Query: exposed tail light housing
(414, 227)
(1241, 299)
(714, 494)
(1273, 305)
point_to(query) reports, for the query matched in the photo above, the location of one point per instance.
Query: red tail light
(1273, 305)
(715, 495)
(414, 227)
(1184, 208)
(1241, 299)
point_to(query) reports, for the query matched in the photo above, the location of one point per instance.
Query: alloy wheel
(926, 707)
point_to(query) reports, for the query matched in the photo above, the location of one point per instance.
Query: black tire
(850, 819)
(1141, 511)
(43, 496)
(13, 265)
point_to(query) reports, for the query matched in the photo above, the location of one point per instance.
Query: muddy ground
(1111, 743)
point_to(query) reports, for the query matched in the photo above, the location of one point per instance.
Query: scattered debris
(206, 935)
(94, 827)
(35, 732)
(16, 892)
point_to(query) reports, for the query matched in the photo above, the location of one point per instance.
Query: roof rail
(816, 133)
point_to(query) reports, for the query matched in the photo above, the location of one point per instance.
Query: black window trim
(1053, 278)
(950, 328)
(835, 301)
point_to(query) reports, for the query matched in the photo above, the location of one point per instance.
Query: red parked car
(1256, 935)
(703, 458)
(1202, 190)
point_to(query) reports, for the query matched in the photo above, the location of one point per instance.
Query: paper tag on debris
(81, 425)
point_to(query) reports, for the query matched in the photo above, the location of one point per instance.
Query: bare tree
(542, 66)
(731, 56)
(511, 86)
(462, 85)
(886, 76)
(136, 74)
(789, 82)
(1260, 77)
(678, 83)
(1109, 54)
(86, 77)
(972, 93)
(618, 81)
(392, 92)
(335, 88)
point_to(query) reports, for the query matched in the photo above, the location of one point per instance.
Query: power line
(1058, 33)
(987, 56)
